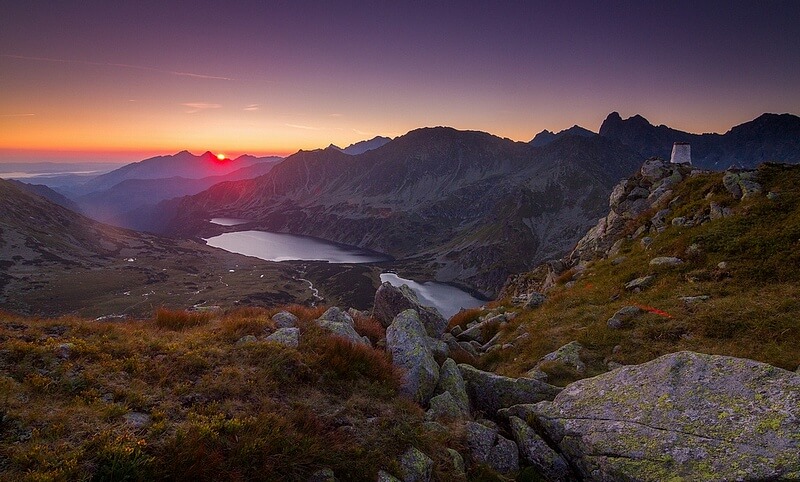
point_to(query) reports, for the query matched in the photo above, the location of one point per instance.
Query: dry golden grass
(217, 410)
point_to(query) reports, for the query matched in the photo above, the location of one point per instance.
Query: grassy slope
(753, 310)
(220, 410)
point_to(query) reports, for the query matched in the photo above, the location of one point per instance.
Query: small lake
(447, 299)
(289, 247)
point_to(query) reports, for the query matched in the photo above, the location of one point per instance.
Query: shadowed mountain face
(55, 261)
(460, 206)
(364, 146)
(770, 137)
(546, 137)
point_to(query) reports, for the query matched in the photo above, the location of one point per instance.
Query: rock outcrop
(489, 392)
(340, 323)
(407, 342)
(391, 301)
(685, 415)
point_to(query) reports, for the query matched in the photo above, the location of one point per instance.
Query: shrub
(178, 320)
(464, 317)
(370, 327)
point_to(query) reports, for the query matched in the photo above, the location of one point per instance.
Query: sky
(122, 80)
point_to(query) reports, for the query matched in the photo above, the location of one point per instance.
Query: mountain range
(458, 206)
(363, 146)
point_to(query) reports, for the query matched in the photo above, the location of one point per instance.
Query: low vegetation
(182, 397)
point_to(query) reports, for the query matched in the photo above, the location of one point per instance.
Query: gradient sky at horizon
(109, 80)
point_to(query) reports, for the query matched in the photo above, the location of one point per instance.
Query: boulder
(286, 336)
(488, 447)
(451, 381)
(391, 301)
(455, 349)
(406, 341)
(246, 339)
(640, 283)
(323, 475)
(568, 356)
(685, 415)
(489, 392)
(535, 300)
(335, 314)
(284, 319)
(538, 454)
(415, 466)
(666, 261)
(343, 329)
(623, 316)
(384, 476)
(443, 407)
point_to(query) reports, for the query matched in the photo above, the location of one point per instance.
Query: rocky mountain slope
(546, 137)
(364, 146)
(768, 138)
(460, 206)
(54, 261)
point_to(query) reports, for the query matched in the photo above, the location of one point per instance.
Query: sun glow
(220, 157)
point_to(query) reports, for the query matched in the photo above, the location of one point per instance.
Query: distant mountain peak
(363, 146)
(546, 137)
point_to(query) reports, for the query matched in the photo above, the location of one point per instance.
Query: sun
(220, 157)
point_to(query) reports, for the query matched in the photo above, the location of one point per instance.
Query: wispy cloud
(195, 107)
(16, 115)
(252, 107)
(334, 115)
(362, 133)
(298, 126)
(120, 65)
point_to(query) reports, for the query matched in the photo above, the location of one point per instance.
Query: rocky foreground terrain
(662, 348)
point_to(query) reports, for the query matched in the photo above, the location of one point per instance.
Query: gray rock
(685, 415)
(406, 341)
(415, 466)
(666, 261)
(246, 339)
(384, 476)
(567, 356)
(623, 316)
(717, 211)
(504, 456)
(439, 349)
(535, 300)
(654, 169)
(451, 381)
(538, 454)
(489, 392)
(640, 283)
(772, 196)
(469, 348)
(286, 336)
(646, 241)
(391, 301)
(443, 407)
(679, 221)
(455, 349)
(64, 350)
(137, 419)
(619, 260)
(323, 475)
(284, 319)
(475, 332)
(343, 329)
(335, 314)
(458, 463)
(480, 440)
(690, 300)
(456, 330)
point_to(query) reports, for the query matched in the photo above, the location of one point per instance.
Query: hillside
(768, 138)
(707, 264)
(54, 261)
(457, 206)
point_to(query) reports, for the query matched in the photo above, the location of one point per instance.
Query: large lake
(288, 247)
(447, 299)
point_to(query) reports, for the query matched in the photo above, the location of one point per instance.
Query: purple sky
(130, 78)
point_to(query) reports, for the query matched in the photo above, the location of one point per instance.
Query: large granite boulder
(391, 301)
(487, 446)
(489, 392)
(683, 416)
(407, 342)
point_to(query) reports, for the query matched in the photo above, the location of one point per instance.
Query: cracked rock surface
(686, 415)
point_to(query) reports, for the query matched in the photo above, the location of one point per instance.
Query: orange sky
(97, 80)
